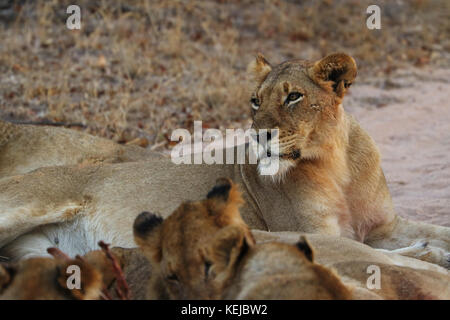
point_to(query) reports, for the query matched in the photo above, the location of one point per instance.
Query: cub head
(195, 251)
(47, 279)
(301, 99)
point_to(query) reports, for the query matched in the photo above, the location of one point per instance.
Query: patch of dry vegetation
(144, 68)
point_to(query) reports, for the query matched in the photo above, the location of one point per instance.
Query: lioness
(330, 180)
(24, 148)
(204, 250)
(222, 261)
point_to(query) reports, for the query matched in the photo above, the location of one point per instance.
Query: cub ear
(221, 189)
(146, 230)
(259, 68)
(304, 246)
(224, 201)
(335, 72)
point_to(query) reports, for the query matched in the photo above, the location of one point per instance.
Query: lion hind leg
(30, 245)
(418, 240)
(20, 221)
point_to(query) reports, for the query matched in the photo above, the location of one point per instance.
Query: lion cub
(47, 278)
(204, 250)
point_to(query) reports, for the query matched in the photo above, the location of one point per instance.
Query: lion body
(331, 180)
(204, 250)
(24, 148)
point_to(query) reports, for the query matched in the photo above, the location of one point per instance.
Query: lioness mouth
(295, 154)
(292, 155)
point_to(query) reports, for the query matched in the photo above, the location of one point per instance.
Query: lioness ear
(335, 72)
(229, 245)
(304, 246)
(259, 68)
(146, 230)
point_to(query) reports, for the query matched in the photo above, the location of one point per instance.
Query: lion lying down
(24, 148)
(330, 179)
(204, 250)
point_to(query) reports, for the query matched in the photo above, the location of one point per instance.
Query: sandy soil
(409, 118)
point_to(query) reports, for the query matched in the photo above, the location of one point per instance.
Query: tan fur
(195, 257)
(401, 277)
(333, 184)
(24, 148)
(281, 265)
(204, 251)
(46, 278)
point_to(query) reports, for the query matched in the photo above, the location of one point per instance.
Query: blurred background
(139, 69)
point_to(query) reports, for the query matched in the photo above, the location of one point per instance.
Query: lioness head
(194, 251)
(302, 100)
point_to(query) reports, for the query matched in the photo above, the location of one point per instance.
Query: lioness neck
(340, 191)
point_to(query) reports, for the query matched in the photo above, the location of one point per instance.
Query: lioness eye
(293, 97)
(255, 103)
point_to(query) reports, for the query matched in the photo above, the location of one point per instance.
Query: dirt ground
(140, 69)
(410, 123)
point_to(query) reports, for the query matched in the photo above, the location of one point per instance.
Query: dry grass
(143, 68)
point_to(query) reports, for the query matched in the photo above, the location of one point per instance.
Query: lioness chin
(330, 181)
